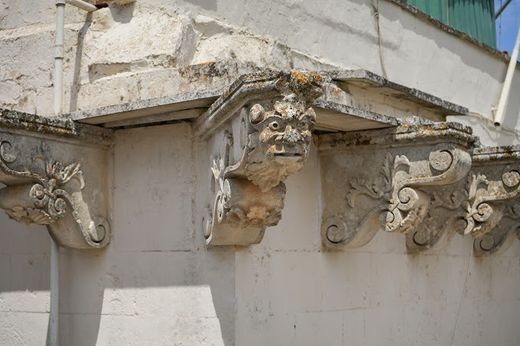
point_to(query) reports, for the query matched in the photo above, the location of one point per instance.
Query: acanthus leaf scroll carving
(492, 211)
(443, 217)
(42, 190)
(49, 200)
(264, 143)
(502, 235)
(484, 209)
(402, 196)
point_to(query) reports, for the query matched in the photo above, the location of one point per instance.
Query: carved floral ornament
(434, 187)
(426, 181)
(45, 182)
(492, 210)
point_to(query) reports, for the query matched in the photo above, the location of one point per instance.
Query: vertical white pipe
(54, 315)
(58, 57)
(54, 320)
(504, 96)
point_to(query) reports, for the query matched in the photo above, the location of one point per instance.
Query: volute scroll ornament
(56, 176)
(407, 190)
(492, 212)
(265, 140)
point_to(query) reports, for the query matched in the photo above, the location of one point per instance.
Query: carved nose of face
(291, 135)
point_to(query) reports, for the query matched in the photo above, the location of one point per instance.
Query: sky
(507, 25)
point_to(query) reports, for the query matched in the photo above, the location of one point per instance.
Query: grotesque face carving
(285, 132)
(284, 137)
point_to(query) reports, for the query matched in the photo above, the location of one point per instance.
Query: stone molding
(260, 132)
(492, 211)
(404, 179)
(55, 174)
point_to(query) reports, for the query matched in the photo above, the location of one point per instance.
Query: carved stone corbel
(55, 175)
(492, 212)
(261, 134)
(402, 179)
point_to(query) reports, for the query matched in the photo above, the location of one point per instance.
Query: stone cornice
(55, 174)
(402, 135)
(368, 79)
(59, 128)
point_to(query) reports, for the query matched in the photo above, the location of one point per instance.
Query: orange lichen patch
(305, 78)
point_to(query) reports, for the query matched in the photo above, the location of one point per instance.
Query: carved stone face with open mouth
(285, 132)
(284, 138)
(283, 152)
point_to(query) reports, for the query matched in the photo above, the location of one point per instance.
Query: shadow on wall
(154, 284)
(76, 83)
(488, 133)
(210, 5)
(123, 14)
(113, 296)
(120, 14)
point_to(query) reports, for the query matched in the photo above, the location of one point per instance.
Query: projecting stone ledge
(55, 175)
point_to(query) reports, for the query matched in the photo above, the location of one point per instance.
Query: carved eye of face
(274, 125)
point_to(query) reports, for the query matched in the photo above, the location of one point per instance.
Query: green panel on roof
(473, 17)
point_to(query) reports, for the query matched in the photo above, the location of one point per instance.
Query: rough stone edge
(504, 56)
(401, 135)
(55, 126)
(357, 112)
(264, 82)
(140, 105)
(501, 153)
(415, 95)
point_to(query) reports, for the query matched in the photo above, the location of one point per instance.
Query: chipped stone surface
(115, 45)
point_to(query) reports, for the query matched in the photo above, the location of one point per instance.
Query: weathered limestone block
(404, 179)
(55, 174)
(492, 212)
(260, 132)
(148, 41)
